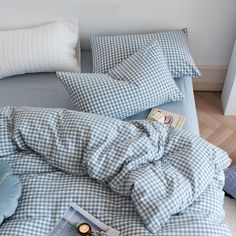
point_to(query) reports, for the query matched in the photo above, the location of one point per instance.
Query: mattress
(45, 90)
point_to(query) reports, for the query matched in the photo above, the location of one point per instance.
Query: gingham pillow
(138, 83)
(108, 51)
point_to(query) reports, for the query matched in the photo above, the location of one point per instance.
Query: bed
(46, 90)
(139, 176)
(42, 179)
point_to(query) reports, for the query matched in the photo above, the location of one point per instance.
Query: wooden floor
(214, 126)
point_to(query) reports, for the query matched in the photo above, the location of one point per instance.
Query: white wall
(211, 23)
(228, 94)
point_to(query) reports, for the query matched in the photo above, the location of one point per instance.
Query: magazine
(76, 222)
(166, 117)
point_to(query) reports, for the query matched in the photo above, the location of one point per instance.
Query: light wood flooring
(214, 126)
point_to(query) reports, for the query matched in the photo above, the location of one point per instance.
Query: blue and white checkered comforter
(139, 177)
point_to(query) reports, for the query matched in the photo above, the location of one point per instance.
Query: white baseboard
(212, 79)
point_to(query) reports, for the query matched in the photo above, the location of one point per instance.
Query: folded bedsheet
(140, 177)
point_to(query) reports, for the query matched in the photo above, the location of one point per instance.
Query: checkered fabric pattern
(166, 178)
(7, 146)
(140, 82)
(230, 181)
(108, 51)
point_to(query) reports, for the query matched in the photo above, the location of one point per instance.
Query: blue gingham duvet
(140, 177)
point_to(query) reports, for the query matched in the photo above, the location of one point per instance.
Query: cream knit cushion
(46, 48)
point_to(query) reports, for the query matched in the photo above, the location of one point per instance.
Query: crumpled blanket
(162, 169)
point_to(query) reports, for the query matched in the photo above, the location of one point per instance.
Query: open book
(167, 117)
(77, 221)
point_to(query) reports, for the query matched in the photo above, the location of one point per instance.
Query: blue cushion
(230, 181)
(140, 82)
(10, 191)
(108, 51)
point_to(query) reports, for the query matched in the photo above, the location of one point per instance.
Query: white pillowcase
(47, 48)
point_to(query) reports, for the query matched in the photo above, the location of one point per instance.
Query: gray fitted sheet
(45, 90)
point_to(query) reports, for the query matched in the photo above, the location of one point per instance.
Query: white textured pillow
(46, 48)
